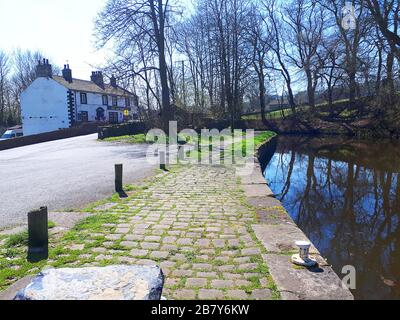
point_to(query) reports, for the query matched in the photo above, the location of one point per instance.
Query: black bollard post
(38, 229)
(118, 178)
(163, 161)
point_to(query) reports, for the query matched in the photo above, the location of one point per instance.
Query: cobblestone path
(194, 222)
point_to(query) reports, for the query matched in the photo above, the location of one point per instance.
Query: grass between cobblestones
(193, 221)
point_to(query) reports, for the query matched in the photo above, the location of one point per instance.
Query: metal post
(38, 229)
(181, 153)
(118, 178)
(163, 161)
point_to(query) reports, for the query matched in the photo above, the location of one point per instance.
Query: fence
(122, 130)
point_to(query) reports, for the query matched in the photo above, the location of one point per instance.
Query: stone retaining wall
(278, 233)
(49, 136)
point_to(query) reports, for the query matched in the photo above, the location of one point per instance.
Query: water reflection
(345, 195)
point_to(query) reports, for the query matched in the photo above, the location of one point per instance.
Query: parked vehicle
(12, 133)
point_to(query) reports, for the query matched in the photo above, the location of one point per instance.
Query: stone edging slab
(278, 233)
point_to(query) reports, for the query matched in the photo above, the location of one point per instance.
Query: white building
(52, 102)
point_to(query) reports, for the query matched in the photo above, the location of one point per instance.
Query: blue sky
(62, 29)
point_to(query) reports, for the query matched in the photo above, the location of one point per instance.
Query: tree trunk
(159, 27)
(352, 89)
(262, 97)
(389, 81)
(310, 90)
(379, 72)
(292, 102)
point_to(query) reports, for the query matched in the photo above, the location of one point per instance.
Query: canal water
(345, 195)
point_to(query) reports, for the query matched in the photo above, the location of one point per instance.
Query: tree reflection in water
(345, 195)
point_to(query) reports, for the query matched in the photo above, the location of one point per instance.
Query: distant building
(53, 102)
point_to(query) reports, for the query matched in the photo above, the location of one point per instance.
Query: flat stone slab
(9, 232)
(265, 202)
(281, 238)
(63, 220)
(254, 178)
(257, 190)
(105, 207)
(302, 284)
(67, 220)
(270, 210)
(11, 292)
(108, 283)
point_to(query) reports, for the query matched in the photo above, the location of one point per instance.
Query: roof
(89, 86)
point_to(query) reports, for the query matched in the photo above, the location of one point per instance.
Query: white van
(12, 133)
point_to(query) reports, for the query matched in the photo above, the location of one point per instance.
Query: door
(100, 114)
(113, 117)
(84, 116)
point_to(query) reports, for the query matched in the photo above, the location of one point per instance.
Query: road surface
(64, 174)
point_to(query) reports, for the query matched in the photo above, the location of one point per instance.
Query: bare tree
(225, 57)
(24, 66)
(4, 83)
(279, 47)
(386, 15)
(127, 22)
(353, 39)
(258, 40)
(331, 71)
(305, 22)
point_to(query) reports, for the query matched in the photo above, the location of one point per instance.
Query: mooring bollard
(38, 229)
(163, 161)
(303, 257)
(118, 178)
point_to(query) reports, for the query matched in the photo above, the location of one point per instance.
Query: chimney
(113, 81)
(67, 73)
(44, 69)
(97, 78)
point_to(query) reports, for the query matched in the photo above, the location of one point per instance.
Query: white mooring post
(303, 257)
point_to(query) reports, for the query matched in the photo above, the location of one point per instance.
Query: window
(83, 116)
(105, 100)
(114, 101)
(113, 117)
(83, 98)
(127, 102)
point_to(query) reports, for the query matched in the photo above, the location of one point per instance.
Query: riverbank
(361, 128)
(278, 233)
(215, 235)
(343, 193)
(364, 120)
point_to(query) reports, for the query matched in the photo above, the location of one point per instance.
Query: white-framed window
(83, 116)
(114, 101)
(83, 98)
(127, 102)
(105, 100)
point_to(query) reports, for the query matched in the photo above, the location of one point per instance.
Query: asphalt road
(64, 174)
